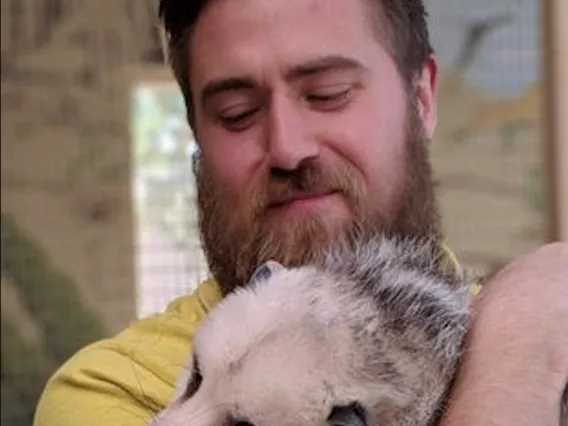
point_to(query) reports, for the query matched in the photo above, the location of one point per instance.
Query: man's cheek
(232, 182)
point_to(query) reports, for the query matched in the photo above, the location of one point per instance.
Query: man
(313, 119)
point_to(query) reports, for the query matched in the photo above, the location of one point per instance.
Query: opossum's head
(290, 349)
(263, 357)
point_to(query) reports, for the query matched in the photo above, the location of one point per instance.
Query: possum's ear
(265, 271)
(350, 415)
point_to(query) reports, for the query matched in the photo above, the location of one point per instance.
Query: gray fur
(379, 325)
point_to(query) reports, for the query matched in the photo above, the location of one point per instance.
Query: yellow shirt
(125, 380)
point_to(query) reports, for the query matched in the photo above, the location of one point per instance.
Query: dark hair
(401, 22)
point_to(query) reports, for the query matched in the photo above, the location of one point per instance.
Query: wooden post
(555, 47)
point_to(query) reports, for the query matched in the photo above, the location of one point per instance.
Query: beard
(237, 237)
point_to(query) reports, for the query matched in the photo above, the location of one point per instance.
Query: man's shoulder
(127, 378)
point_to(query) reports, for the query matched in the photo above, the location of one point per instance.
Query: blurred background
(98, 225)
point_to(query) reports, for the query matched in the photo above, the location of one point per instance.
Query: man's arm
(516, 362)
(101, 386)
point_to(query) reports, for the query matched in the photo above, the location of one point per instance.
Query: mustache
(310, 178)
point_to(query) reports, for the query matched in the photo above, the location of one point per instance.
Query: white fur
(285, 350)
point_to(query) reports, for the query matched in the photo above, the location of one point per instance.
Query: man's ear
(265, 271)
(426, 89)
(349, 415)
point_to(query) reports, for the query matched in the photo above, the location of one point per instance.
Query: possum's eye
(264, 271)
(194, 381)
(347, 415)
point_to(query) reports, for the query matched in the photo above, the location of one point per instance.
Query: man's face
(307, 133)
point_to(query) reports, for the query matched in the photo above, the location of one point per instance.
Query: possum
(371, 335)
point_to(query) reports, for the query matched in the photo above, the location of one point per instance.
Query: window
(169, 259)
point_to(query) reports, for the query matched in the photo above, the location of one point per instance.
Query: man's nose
(290, 142)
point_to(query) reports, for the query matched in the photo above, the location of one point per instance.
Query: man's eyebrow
(324, 64)
(215, 87)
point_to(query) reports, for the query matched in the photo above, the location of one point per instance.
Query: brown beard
(238, 238)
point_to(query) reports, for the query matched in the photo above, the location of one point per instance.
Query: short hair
(403, 23)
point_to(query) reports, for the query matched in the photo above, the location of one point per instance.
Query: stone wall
(66, 155)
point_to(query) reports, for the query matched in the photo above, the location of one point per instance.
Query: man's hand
(532, 293)
(516, 361)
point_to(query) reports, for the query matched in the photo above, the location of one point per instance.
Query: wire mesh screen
(487, 152)
(169, 258)
(98, 201)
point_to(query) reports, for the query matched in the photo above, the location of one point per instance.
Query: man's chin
(306, 229)
(301, 240)
(300, 223)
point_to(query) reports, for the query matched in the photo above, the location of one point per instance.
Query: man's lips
(300, 196)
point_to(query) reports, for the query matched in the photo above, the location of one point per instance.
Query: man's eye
(331, 99)
(238, 119)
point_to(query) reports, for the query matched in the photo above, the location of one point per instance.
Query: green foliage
(25, 370)
(50, 295)
(53, 300)
(158, 127)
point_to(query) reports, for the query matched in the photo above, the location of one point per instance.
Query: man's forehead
(278, 34)
(252, 10)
